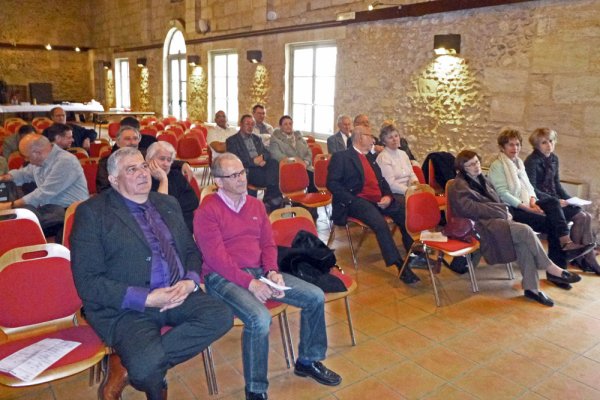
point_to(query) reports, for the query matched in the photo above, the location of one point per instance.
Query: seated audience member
(543, 171)
(217, 135)
(145, 140)
(508, 175)
(262, 169)
(261, 128)
(397, 170)
(360, 191)
(342, 139)
(11, 143)
(160, 157)
(128, 136)
(286, 142)
(403, 142)
(82, 137)
(137, 270)
(363, 120)
(503, 240)
(59, 179)
(60, 135)
(234, 233)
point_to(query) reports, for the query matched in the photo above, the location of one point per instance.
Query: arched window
(176, 76)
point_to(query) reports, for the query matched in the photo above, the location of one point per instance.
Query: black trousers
(373, 216)
(266, 176)
(553, 224)
(147, 355)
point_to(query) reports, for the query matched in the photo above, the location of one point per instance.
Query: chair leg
(350, 324)
(331, 234)
(354, 260)
(408, 253)
(432, 275)
(209, 371)
(474, 285)
(286, 338)
(511, 273)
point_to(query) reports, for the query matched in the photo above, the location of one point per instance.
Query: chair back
(78, 152)
(309, 139)
(315, 150)
(189, 147)
(168, 137)
(176, 129)
(113, 128)
(195, 187)
(422, 211)
(96, 147)
(448, 210)
(208, 190)
(41, 124)
(36, 286)
(419, 173)
(321, 164)
(8, 121)
(148, 121)
(14, 126)
(15, 160)
(90, 170)
(20, 227)
(293, 177)
(149, 130)
(287, 222)
(68, 227)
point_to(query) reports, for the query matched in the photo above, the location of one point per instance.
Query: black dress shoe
(589, 267)
(408, 276)
(256, 396)
(565, 277)
(574, 250)
(540, 297)
(318, 372)
(581, 264)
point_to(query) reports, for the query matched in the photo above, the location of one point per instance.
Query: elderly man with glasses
(234, 233)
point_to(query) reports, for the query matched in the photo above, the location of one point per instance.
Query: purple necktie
(167, 251)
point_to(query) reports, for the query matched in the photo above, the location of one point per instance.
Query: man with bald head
(360, 191)
(58, 176)
(217, 135)
(82, 137)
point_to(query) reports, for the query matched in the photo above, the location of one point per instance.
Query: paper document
(433, 236)
(576, 201)
(32, 360)
(273, 284)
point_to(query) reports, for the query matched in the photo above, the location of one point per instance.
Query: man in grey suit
(137, 270)
(341, 140)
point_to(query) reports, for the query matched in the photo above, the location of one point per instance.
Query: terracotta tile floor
(490, 345)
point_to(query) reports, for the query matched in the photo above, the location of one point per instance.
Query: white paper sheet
(273, 284)
(576, 201)
(32, 360)
(433, 236)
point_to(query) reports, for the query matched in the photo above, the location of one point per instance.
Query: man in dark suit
(137, 270)
(341, 140)
(360, 191)
(82, 137)
(263, 170)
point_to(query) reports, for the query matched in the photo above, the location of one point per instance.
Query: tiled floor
(490, 345)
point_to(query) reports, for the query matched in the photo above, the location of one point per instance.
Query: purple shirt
(135, 297)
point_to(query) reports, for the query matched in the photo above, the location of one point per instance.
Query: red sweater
(230, 241)
(371, 190)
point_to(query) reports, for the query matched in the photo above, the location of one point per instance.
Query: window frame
(122, 84)
(231, 110)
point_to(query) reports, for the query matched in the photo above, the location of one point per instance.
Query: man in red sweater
(234, 233)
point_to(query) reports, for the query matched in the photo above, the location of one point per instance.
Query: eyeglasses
(134, 169)
(472, 164)
(235, 175)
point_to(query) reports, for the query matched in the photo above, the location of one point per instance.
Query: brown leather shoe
(115, 379)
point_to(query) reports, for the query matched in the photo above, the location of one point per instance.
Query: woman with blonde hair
(543, 171)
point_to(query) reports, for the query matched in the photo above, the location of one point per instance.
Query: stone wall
(39, 22)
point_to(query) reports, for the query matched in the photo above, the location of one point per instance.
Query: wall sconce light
(254, 56)
(141, 62)
(377, 4)
(48, 46)
(106, 64)
(193, 60)
(448, 44)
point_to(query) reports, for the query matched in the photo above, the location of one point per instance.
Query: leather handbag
(462, 229)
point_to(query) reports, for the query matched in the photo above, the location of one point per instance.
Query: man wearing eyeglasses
(263, 170)
(137, 269)
(234, 233)
(360, 191)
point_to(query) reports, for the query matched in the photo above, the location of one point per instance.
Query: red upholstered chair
(20, 227)
(97, 145)
(286, 223)
(90, 170)
(194, 185)
(15, 160)
(14, 125)
(293, 183)
(41, 274)
(113, 128)
(168, 137)
(419, 173)
(8, 121)
(41, 123)
(191, 150)
(176, 129)
(441, 199)
(423, 214)
(310, 139)
(69, 218)
(149, 130)
(79, 152)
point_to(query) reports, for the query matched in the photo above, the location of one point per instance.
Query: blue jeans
(257, 321)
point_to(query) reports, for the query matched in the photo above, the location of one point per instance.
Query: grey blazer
(336, 143)
(110, 253)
